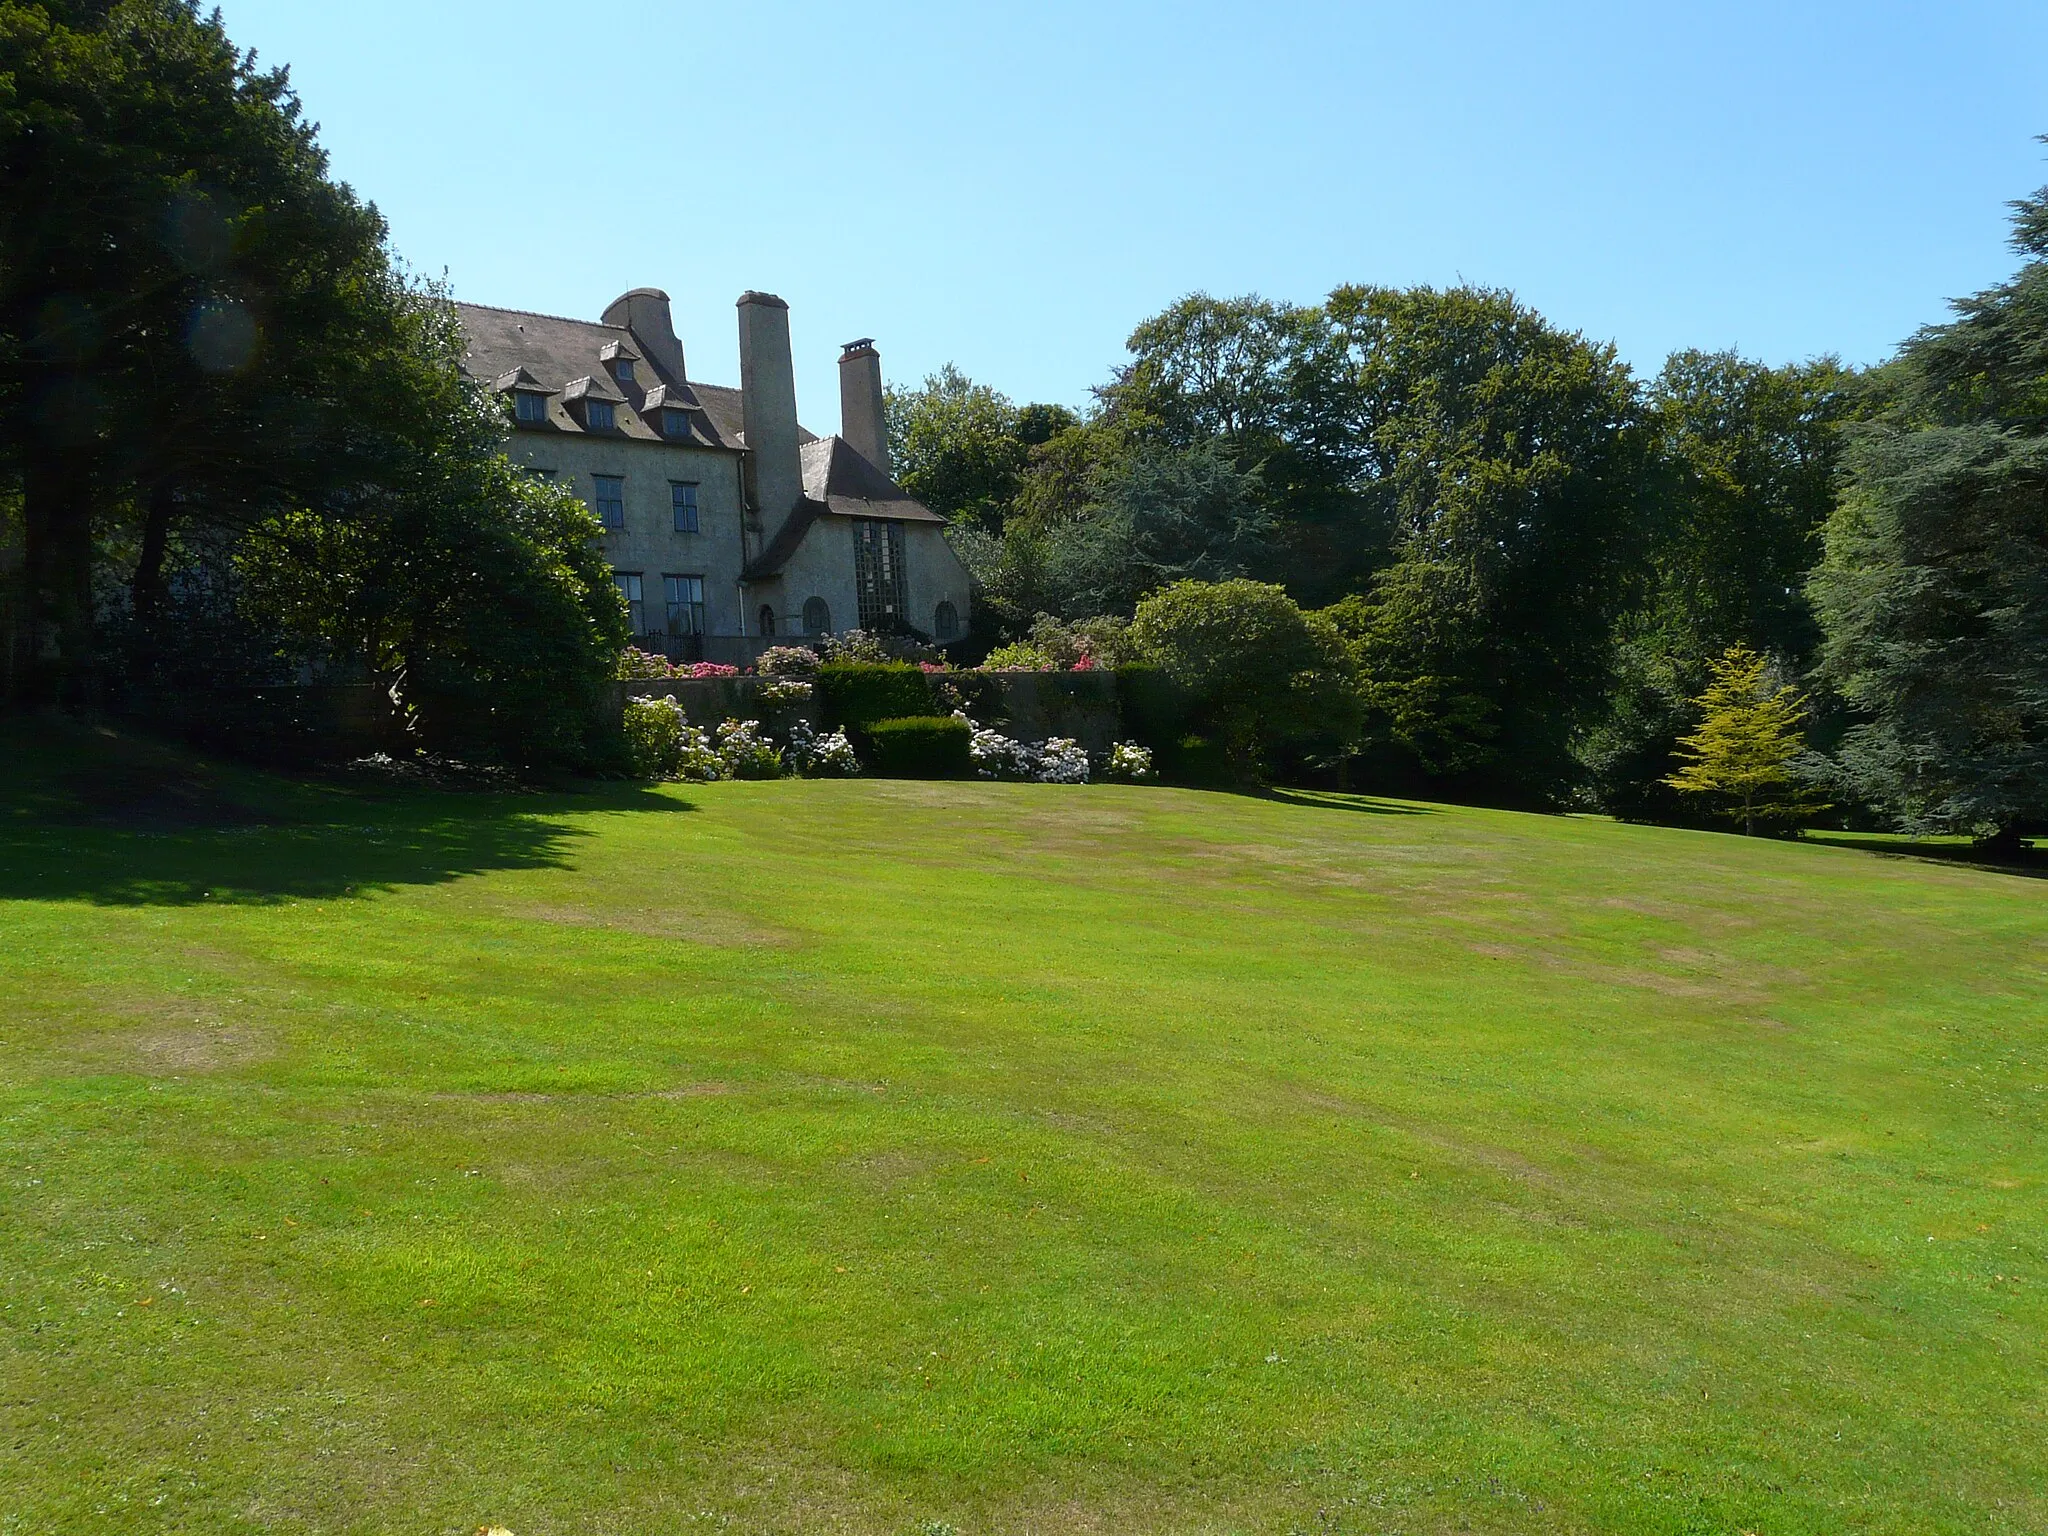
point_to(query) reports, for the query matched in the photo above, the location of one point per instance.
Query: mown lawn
(863, 1157)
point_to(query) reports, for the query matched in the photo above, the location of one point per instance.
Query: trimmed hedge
(919, 747)
(859, 693)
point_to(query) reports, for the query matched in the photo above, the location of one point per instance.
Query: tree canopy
(1933, 592)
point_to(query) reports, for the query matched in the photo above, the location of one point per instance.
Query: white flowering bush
(1062, 761)
(996, 756)
(1129, 763)
(788, 661)
(662, 743)
(820, 757)
(744, 753)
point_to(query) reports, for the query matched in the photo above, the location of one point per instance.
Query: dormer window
(622, 369)
(675, 423)
(530, 407)
(598, 416)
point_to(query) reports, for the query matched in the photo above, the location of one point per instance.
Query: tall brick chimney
(863, 422)
(768, 406)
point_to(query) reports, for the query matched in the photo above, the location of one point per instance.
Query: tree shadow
(2027, 863)
(121, 822)
(1336, 800)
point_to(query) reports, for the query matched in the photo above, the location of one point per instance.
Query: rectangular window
(878, 574)
(598, 417)
(684, 499)
(622, 370)
(611, 500)
(532, 407)
(685, 604)
(636, 606)
(675, 423)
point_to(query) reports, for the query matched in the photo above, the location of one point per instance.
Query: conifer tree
(1742, 754)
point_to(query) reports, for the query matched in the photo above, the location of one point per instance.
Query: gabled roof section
(838, 482)
(519, 379)
(592, 386)
(612, 351)
(670, 397)
(840, 478)
(554, 352)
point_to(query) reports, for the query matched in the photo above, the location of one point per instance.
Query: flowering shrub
(662, 744)
(996, 756)
(788, 661)
(1020, 656)
(707, 669)
(820, 757)
(1129, 763)
(1062, 761)
(744, 753)
(854, 645)
(929, 667)
(779, 692)
(636, 665)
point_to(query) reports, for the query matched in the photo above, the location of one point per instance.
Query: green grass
(856, 1156)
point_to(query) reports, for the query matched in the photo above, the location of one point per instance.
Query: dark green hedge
(857, 694)
(918, 747)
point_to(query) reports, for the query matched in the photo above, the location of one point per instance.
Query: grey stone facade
(730, 526)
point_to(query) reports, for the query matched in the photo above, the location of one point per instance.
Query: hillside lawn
(883, 1156)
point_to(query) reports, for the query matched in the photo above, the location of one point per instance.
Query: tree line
(237, 449)
(1540, 561)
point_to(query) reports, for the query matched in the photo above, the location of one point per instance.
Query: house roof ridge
(541, 314)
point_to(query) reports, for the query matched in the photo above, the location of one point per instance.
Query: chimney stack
(645, 313)
(863, 422)
(768, 406)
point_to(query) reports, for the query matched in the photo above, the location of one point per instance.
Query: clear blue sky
(1013, 187)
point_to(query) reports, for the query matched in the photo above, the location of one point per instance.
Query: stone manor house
(727, 526)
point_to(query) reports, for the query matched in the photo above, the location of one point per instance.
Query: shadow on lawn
(2028, 863)
(119, 822)
(1332, 800)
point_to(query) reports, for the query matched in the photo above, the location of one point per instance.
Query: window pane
(597, 415)
(684, 500)
(636, 609)
(685, 595)
(610, 500)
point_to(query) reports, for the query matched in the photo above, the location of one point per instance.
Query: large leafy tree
(961, 447)
(1742, 480)
(189, 307)
(1268, 386)
(1933, 594)
(1934, 590)
(207, 353)
(1508, 457)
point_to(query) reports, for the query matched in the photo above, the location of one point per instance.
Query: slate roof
(838, 482)
(837, 474)
(555, 352)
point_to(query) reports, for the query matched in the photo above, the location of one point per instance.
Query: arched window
(767, 620)
(946, 622)
(817, 617)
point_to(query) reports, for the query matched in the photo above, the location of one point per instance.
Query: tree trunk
(54, 623)
(147, 589)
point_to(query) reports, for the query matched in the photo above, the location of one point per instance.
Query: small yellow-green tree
(1742, 754)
